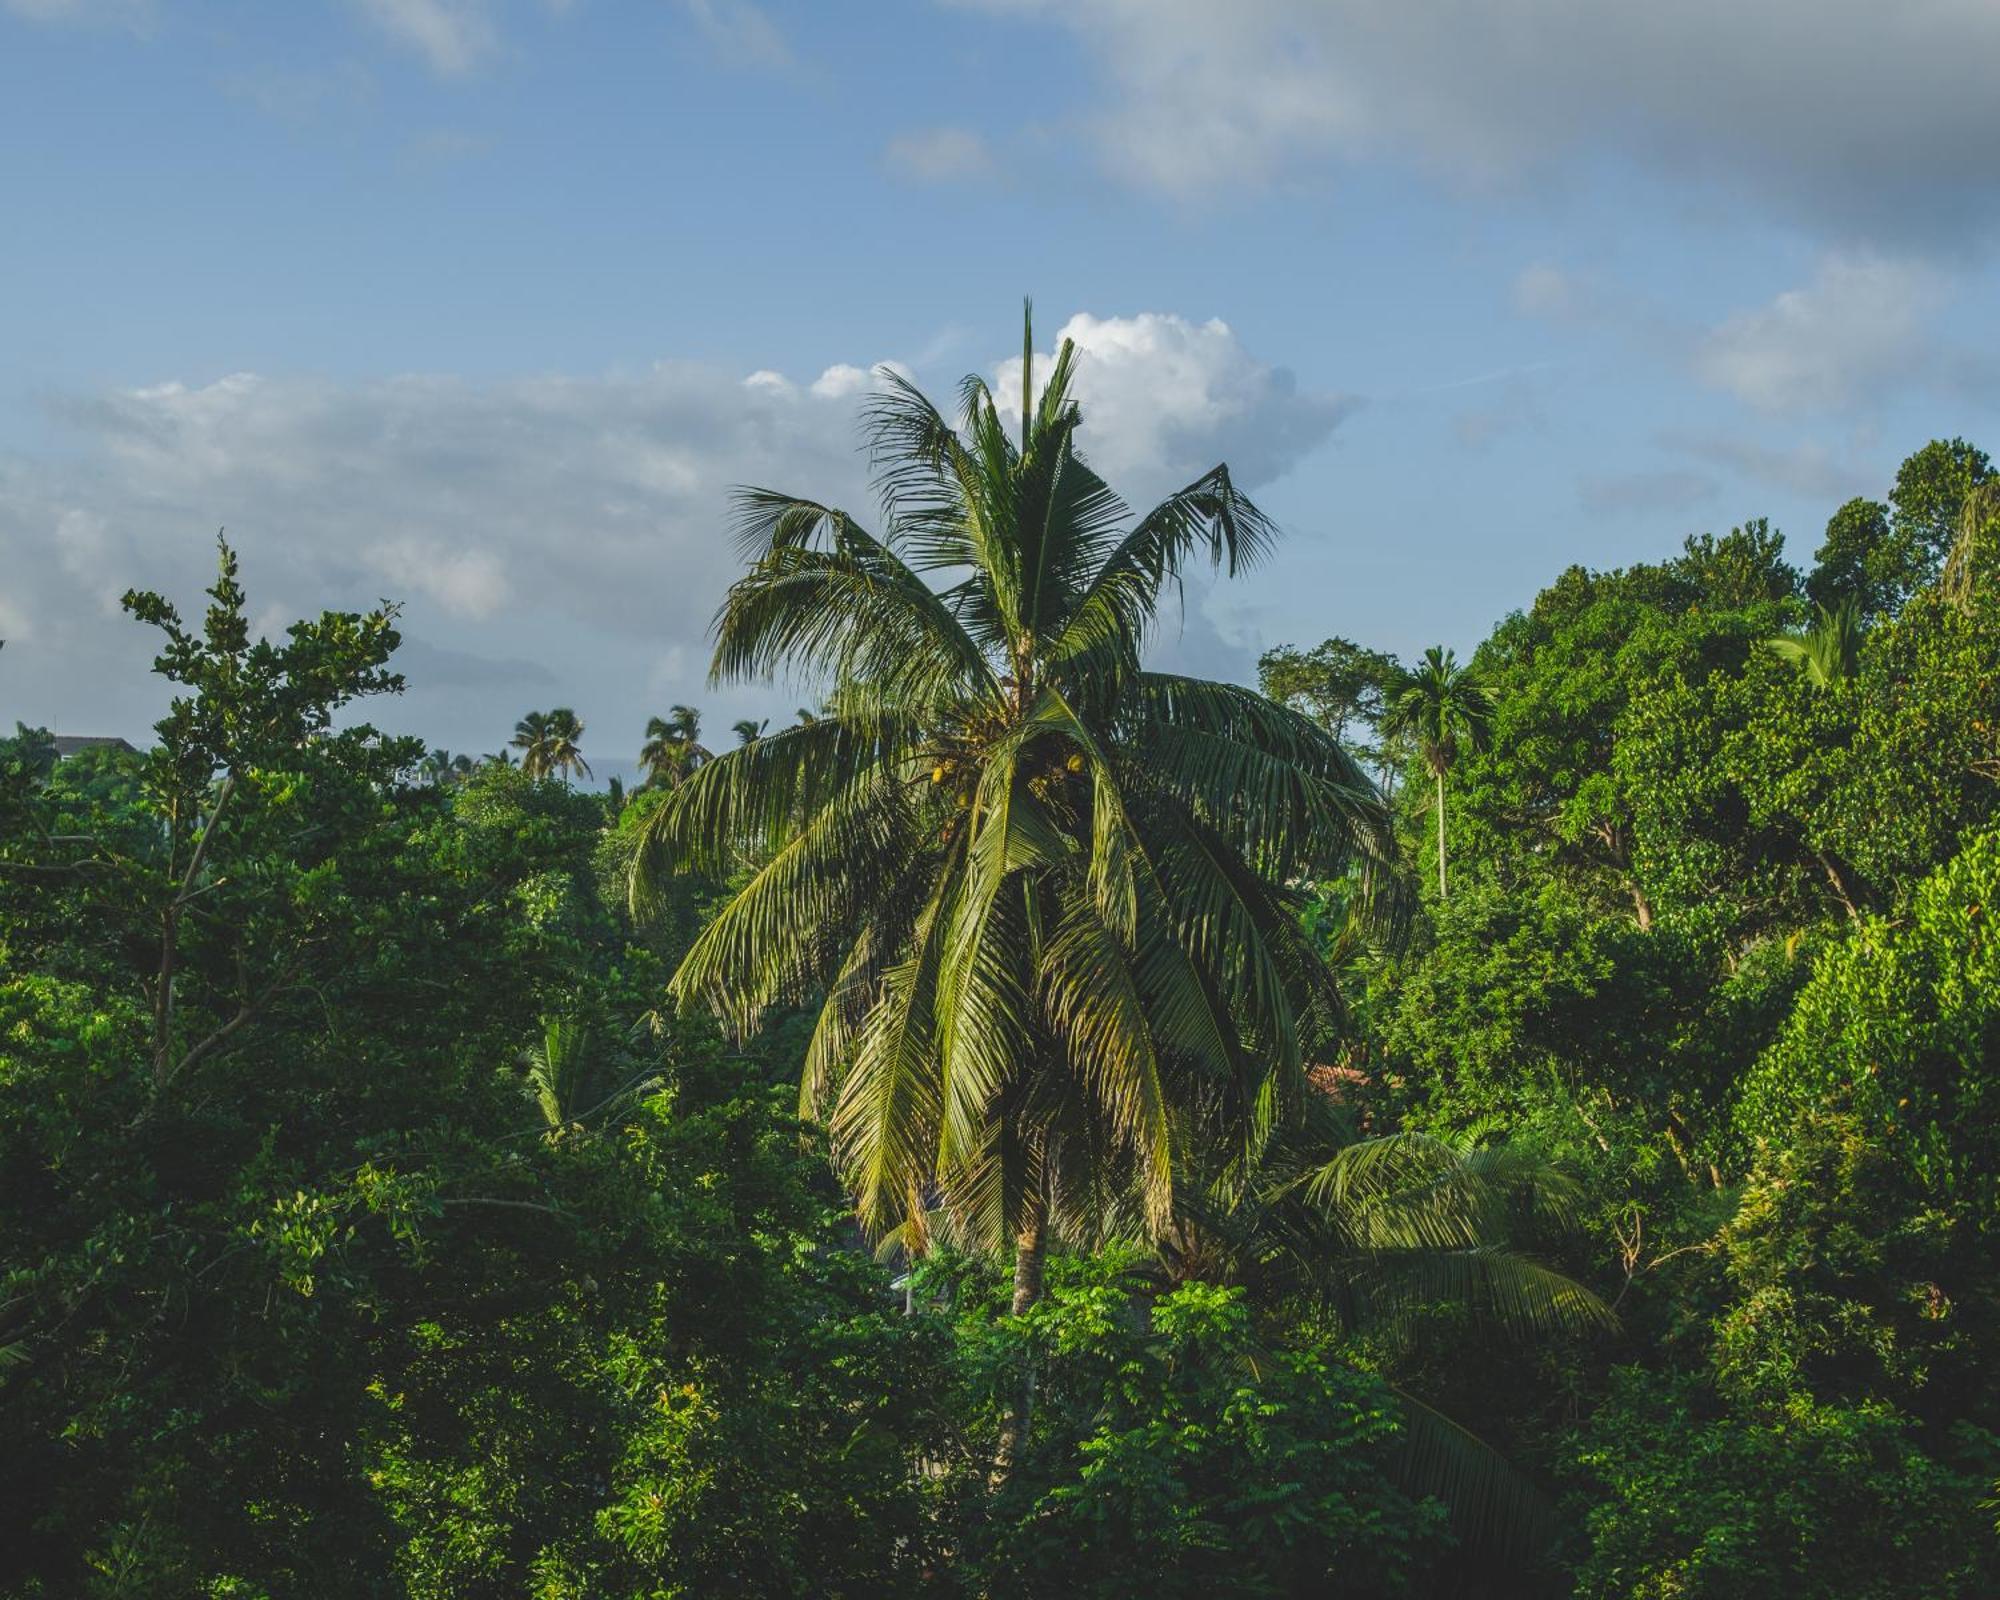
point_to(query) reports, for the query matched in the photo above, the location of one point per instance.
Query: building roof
(71, 744)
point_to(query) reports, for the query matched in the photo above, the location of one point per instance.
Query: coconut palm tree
(531, 738)
(549, 742)
(1041, 894)
(1828, 651)
(673, 746)
(1443, 708)
(565, 755)
(442, 769)
(748, 730)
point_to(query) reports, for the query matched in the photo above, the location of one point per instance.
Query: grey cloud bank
(1783, 101)
(554, 538)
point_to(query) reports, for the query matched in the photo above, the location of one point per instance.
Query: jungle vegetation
(1036, 1125)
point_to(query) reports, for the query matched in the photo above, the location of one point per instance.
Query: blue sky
(483, 304)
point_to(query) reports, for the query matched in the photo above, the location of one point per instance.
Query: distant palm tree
(531, 738)
(1828, 651)
(442, 769)
(549, 744)
(748, 730)
(566, 754)
(673, 747)
(1444, 708)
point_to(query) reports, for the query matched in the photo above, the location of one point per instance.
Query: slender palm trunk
(1442, 892)
(1030, 1246)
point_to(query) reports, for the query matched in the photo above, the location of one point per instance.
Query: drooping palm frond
(1497, 1512)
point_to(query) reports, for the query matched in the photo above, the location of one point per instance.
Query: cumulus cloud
(740, 32)
(1859, 325)
(1850, 111)
(1808, 468)
(125, 13)
(1164, 399)
(1635, 493)
(1550, 293)
(306, 97)
(558, 538)
(1514, 405)
(940, 155)
(1858, 334)
(453, 36)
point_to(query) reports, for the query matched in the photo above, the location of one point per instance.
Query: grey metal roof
(70, 744)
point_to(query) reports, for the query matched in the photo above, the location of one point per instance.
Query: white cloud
(561, 538)
(117, 13)
(304, 97)
(1554, 295)
(1164, 399)
(454, 36)
(466, 582)
(740, 32)
(1516, 407)
(1851, 111)
(1627, 493)
(1858, 326)
(443, 148)
(840, 381)
(1808, 469)
(940, 155)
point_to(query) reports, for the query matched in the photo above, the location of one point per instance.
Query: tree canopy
(1034, 1125)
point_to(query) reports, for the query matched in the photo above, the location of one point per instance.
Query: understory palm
(1378, 1233)
(1040, 895)
(1828, 651)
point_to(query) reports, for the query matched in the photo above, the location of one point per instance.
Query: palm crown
(673, 746)
(550, 744)
(1039, 893)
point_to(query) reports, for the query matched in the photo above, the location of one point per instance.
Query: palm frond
(1496, 1510)
(1097, 1011)
(1116, 609)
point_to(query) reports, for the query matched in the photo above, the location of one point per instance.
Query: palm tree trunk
(1030, 1246)
(1442, 892)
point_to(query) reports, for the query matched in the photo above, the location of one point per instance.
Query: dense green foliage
(372, 1223)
